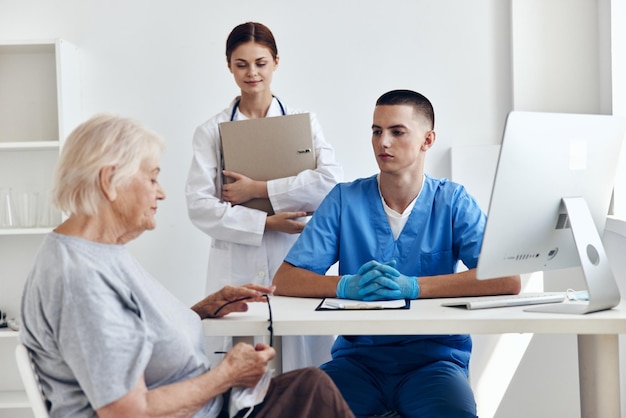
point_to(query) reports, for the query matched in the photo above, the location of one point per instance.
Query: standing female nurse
(248, 245)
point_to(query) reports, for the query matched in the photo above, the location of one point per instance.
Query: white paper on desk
(335, 303)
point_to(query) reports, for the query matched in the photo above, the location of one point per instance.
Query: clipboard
(334, 304)
(267, 149)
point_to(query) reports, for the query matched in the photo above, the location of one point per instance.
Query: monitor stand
(601, 286)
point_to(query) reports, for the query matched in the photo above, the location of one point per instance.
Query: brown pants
(302, 393)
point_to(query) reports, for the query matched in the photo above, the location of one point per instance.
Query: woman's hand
(242, 189)
(246, 364)
(231, 299)
(243, 365)
(285, 222)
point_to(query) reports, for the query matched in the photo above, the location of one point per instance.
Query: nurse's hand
(242, 189)
(285, 222)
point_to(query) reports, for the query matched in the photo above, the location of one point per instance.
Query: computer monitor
(550, 200)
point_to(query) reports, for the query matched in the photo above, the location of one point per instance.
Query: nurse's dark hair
(420, 103)
(250, 32)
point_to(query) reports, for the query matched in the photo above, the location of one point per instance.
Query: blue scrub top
(445, 226)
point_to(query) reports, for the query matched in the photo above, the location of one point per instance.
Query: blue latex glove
(362, 285)
(403, 287)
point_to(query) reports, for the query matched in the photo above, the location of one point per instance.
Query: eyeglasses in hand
(270, 328)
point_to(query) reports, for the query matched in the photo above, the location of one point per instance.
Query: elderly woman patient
(106, 338)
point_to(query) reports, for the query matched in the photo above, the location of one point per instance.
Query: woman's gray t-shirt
(95, 321)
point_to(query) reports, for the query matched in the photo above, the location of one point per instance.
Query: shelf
(40, 104)
(25, 231)
(29, 85)
(13, 399)
(29, 145)
(8, 333)
(27, 45)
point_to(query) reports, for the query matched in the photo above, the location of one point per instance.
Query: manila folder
(267, 149)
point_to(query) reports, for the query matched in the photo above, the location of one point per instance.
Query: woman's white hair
(105, 140)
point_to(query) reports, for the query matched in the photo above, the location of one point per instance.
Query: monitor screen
(550, 199)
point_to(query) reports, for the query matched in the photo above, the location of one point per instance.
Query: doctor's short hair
(104, 140)
(420, 103)
(250, 32)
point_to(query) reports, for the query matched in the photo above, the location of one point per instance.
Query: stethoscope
(236, 106)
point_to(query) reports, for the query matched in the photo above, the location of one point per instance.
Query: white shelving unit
(12, 397)
(39, 106)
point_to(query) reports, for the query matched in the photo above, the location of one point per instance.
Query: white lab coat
(241, 251)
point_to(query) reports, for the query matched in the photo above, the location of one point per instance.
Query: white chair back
(31, 382)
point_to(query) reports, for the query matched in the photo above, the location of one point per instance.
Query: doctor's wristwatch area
(26, 209)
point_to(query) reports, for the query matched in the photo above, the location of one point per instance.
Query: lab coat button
(261, 274)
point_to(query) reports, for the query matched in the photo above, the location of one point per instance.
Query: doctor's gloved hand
(360, 286)
(348, 287)
(406, 287)
(396, 285)
(365, 283)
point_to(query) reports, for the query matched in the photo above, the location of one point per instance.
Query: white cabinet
(39, 106)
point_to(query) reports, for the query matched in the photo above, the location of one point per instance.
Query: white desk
(598, 355)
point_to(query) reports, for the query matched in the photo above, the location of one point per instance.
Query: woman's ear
(106, 179)
(276, 62)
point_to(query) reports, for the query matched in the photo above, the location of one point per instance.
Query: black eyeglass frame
(270, 328)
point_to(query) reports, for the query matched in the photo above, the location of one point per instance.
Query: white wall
(561, 63)
(618, 52)
(163, 63)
